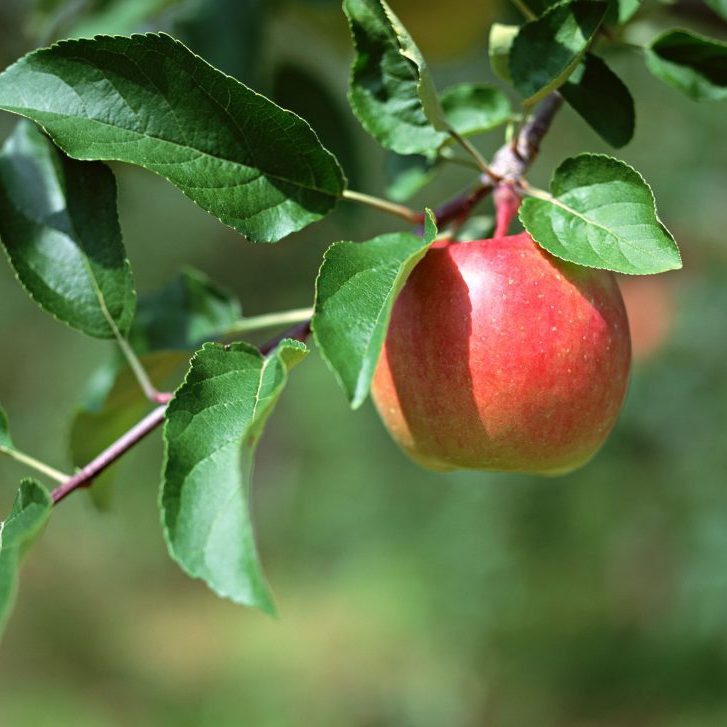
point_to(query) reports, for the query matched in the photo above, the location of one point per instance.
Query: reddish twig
(509, 163)
(86, 475)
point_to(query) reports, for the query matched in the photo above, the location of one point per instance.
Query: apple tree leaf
(601, 214)
(498, 49)
(547, 50)
(719, 7)
(186, 312)
(355, 293)
(621, 11)
(601, 98)
(473, 108)
(148, 100)
(60, 229)
(29, 512)
(409, 174)
(391, 92)
(6, 441)
(691, 63)
(212, 428)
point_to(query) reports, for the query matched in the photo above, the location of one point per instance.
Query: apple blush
(500, 356)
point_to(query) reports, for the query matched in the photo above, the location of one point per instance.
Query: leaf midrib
(25, 111)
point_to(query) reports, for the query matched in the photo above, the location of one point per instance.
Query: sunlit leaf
(6, 441)
(355, 292)
(409, 174)
(59, 225)
(391, 90)
(150, 101)
(212, 428)
(30, 510)
(473, 108)
(601, 214)
(499, 45)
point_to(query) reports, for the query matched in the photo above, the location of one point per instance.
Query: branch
(86, 475)
(510, 162)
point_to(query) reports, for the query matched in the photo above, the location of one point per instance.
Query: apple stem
(510, 163)
(507, 203)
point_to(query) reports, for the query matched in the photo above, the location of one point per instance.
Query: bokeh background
(405, 597)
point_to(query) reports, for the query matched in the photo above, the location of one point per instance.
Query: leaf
(183, 314)
(719, 7)
(473, 108)
(691, 63)
(115, 411)
(60, 229)
(391, 91)
(30, 510)
(355, 292)
(498, 49)
(6, 441)
(122, 16)
(148, 100)
(601, 215)
(408, 175)
(211, 431)
(602, 100)
(547, 50)
(621, 11)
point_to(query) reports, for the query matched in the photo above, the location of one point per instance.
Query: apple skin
(500, 356)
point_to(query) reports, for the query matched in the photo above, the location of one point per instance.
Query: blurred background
(405, 597)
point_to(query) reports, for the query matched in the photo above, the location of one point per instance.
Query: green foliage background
(405, 597)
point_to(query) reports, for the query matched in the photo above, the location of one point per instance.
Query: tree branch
(86, 475)
(509, 163)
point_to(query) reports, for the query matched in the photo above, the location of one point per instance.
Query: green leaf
(391, 91)
(112, 413)
(621, 11)
(691, 63)
(602, 100)
(408, 175)
(355, 292)
(601, 215)
(120, 17)
(148, 100)
(473, 108)
(547, 50)
(212, 428)
(719, 7)
(29, 513)
(6, 441)
(498, 49)
(60, 229)
(183, 314)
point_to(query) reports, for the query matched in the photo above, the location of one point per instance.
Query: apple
(500, 356)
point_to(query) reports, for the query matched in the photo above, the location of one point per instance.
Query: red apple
(500, 356)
